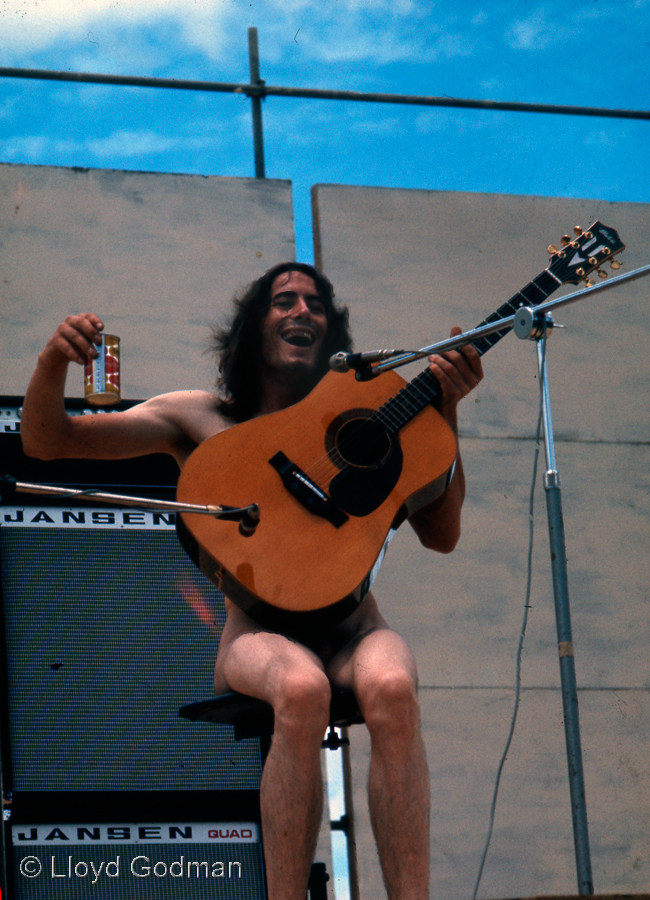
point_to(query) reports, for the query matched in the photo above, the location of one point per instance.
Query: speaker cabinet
(108, 630)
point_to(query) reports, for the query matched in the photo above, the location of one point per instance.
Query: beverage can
(102, 374)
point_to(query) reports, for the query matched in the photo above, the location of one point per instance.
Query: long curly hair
(238, 344)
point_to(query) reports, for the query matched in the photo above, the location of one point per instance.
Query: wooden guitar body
(300, 569)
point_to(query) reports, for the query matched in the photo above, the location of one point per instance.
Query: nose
(300, 308)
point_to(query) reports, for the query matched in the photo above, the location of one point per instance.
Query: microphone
(250, 520)
(343, 362)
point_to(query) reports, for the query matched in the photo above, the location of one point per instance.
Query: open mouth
(299, 338)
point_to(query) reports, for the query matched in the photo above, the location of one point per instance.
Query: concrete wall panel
(157, 256)
(411, 264)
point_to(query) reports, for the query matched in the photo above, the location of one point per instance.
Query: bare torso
(197, 416)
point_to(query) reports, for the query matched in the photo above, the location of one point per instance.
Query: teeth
(299, 338)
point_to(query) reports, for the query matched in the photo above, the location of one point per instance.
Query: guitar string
(320, 470)
(327, 466)
(412, 400)
(544, 284)
(357, 443)
(410, 397)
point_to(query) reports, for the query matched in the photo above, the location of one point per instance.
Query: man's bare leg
(381, 670)
(291, 678)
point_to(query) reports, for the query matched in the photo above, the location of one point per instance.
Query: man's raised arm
(49, 433)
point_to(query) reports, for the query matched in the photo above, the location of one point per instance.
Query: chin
(303, 364)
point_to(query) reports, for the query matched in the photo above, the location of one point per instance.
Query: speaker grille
(109, 630)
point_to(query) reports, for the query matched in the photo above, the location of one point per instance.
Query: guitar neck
(569, 265)
(424, 389)
(535, 292)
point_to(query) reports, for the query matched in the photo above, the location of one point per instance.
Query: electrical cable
(520, 646)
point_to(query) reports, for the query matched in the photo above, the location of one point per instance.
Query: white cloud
(8, 108)
(35, 149)
(451, 122)
(529, 34)
(545, 27)
(123, 145)
(603, 138)
(377, 125)
(127, 144)
(105, 34)
(430, 121)
(32, 26)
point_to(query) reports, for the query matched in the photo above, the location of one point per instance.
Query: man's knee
(302, 701)
(389, 702)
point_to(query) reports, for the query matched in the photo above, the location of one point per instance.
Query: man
(287, 323)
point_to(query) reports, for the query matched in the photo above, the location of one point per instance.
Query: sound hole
(362, 443)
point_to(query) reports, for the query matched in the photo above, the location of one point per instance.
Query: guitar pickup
(306, 492)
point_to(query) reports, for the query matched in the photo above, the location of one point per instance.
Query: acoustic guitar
(336, 473)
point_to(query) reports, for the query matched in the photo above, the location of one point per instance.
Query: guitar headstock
(577, 257)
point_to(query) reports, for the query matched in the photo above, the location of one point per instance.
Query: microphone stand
(366, 372)
(537, 325)
(248, 516)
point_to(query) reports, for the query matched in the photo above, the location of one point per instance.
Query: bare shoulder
(194, 415)
(172, 423)
(179, 405)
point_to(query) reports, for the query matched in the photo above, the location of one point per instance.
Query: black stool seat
(254, 718)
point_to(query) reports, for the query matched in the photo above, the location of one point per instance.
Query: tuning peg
(565, 240)
(552, 248)
(577, 230)
(601, 273)
(588, 282)
(615, 264)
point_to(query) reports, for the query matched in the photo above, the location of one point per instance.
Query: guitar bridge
(306, 491)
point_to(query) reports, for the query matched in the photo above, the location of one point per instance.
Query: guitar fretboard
(535, 292)
(425, 389)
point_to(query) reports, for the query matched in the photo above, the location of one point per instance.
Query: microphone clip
(343, 362)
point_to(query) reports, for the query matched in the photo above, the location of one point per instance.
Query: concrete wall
(157, 256)
(411, 264)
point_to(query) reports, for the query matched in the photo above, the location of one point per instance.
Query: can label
(102, 374)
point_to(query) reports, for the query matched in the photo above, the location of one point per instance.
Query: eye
(282, 303)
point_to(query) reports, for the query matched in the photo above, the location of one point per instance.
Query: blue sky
(585, 52)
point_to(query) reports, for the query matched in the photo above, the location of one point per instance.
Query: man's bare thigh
(251, 656)
(374, 656)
